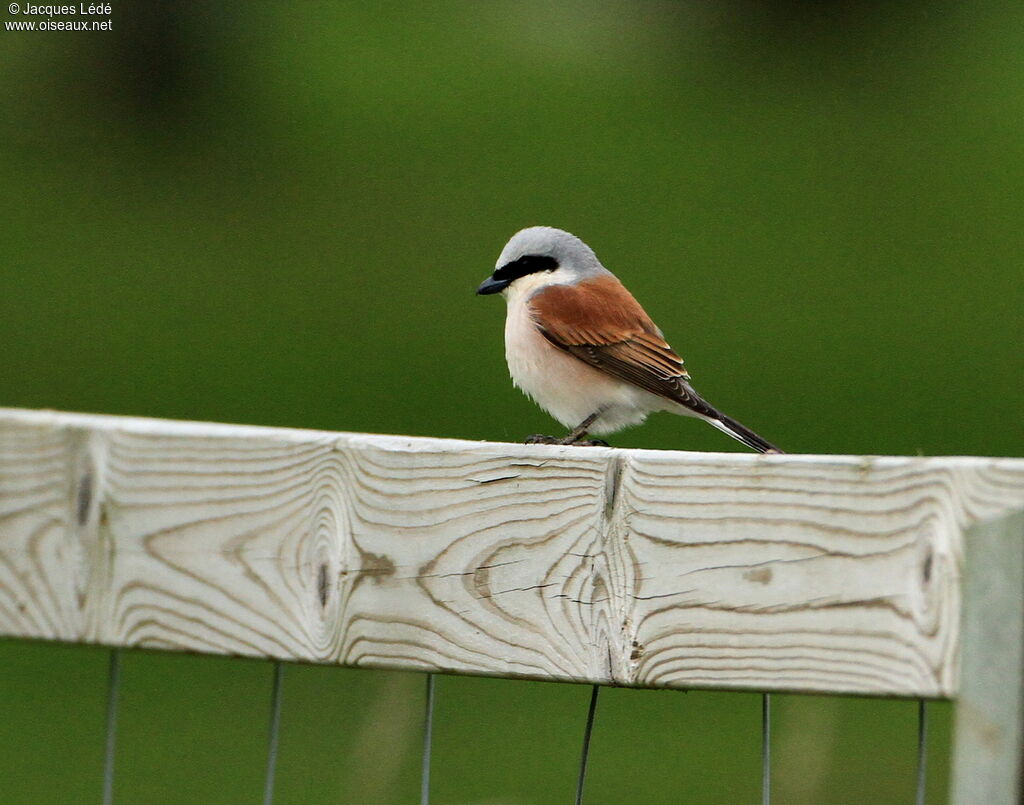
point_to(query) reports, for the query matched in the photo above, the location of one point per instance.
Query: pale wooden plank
(647, 568)
(990, 705)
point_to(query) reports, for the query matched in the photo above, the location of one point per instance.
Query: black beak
(491, 285)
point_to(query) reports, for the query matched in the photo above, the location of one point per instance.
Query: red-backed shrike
(581, 346)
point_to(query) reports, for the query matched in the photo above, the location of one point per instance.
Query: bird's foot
(539, 439)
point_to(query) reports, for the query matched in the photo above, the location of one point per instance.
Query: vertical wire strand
(428, 731)
(113, 693)
(275, 733)
(922, 750)
(766, 749)
(584, 755)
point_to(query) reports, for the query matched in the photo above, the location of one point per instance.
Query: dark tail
(742, 433)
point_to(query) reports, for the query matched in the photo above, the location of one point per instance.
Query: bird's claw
(539, 439)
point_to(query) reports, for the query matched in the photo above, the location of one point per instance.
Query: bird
(580, 345)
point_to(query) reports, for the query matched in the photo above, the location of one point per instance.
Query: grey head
(542, 248)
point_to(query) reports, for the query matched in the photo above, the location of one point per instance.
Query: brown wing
(599, 322)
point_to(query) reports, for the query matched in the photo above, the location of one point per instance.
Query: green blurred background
(277, 214)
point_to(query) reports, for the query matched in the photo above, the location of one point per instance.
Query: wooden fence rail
(856, 575)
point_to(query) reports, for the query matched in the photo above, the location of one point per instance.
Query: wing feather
(599, 322)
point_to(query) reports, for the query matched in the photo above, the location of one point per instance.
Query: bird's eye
(527, 264)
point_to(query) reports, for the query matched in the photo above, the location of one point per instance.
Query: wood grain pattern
(630, 567)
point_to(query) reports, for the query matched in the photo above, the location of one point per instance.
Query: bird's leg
(580, 430)
(576, 434)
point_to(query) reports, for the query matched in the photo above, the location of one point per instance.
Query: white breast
(564, 386)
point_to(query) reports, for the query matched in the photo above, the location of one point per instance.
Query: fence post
(989, 724)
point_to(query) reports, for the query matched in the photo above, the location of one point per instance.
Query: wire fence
(430, 708)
